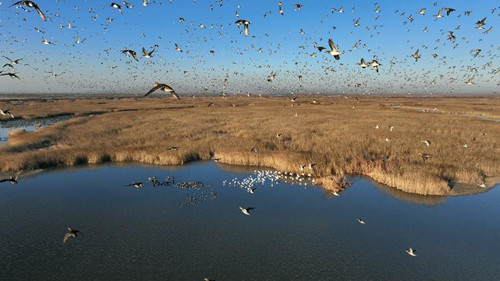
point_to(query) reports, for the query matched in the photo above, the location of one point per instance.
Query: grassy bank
(336, 134)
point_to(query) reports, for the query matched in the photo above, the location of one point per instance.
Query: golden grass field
(337, 134)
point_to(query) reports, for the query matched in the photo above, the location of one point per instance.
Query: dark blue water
(295, 232)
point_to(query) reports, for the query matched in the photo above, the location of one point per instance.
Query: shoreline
(337, 134)
(458, 190)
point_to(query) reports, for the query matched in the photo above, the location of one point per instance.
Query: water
(296, 232)
(28, 125)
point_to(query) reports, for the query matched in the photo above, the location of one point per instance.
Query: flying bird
(12, 180)
(246, 211)
(480, 24)
(6, 112)
(13, 62)
(334, 51)
(164, 87)
(416, 55)
(116, 6)
(147, 54)
(375, 64)
(70, 233)
(131, 53)
(136, 184)
(411, 252)
(245, 24)
(33, 5)
(11, 74)
(362, 63)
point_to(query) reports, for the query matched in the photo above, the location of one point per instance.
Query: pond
(296, 231)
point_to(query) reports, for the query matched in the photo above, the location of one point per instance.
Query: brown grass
(336, 134)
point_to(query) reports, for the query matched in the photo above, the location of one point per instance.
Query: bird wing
(66, 237)
(154, 89)
(17, 3)
(175, 95)
(39, 12)
(4, 180)
(144, 53)
(332, 45)
(134, 55)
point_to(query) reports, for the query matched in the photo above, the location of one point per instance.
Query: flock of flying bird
(466, 72)
(303, 70)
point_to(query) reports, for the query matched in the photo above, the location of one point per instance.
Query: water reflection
(428, 200)
(28, 125)
(292, 234)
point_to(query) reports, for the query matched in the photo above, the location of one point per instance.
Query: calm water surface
(296, 232)
(27, 125)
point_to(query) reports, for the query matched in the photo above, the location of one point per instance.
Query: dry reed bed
(336, 134)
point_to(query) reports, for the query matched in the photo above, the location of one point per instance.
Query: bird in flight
(131, 53)
(11, 74)
(147, 54)
(245, 24)
(416, 55)
(46, 42)
(411, 252)
(334, 51)
(136, 184)
(12, 180)
(164, 87)
(13, 62)
(116, 6)
(246, 211)
(480, 24)
(70, 233)
(6, 112)
(375, 64)
(362, 63)
(33, 5)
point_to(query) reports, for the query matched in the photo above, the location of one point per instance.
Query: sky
(217, 58)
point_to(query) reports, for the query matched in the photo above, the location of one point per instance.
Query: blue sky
(98, 66)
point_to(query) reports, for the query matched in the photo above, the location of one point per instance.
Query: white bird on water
(361, 221)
